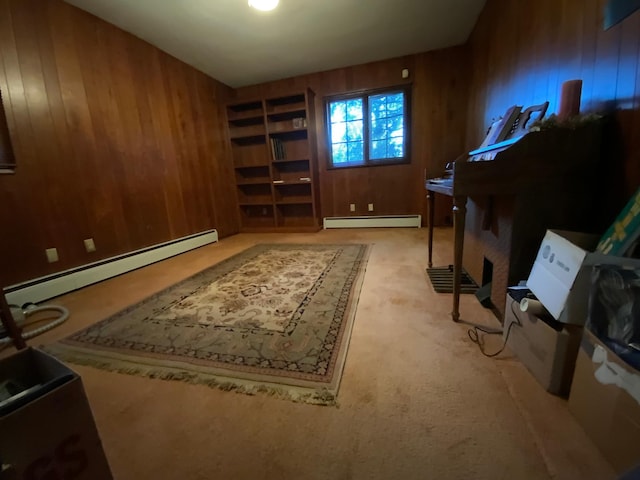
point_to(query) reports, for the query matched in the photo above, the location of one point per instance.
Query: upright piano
(543, 180)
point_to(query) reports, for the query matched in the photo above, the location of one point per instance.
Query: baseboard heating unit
(405, 221)
(50, 286)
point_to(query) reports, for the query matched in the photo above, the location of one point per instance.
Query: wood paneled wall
(117, 141)
(7, 160)
(439, 105)
(114, 140)
(522, 52)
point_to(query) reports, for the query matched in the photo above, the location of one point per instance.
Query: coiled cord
(30, 309)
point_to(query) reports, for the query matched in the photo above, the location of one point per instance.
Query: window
(369, 128)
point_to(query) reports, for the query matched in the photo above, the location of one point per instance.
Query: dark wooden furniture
(7, 159)
(549, 180)
(274, 158)
(433, 186)
(9, 324)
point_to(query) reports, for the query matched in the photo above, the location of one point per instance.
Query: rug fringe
(317, 397)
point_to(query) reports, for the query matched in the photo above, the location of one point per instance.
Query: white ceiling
(240, 46)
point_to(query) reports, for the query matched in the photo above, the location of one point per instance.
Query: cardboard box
(624, 232)
(561, 274)
(605, 399)
(548, 353)
(47, 430)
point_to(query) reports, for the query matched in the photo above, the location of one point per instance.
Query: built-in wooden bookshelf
(273, 144)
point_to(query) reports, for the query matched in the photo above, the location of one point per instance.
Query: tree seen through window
(379, 139)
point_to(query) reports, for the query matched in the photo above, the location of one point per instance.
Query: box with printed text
(47, 428)
(561, 273)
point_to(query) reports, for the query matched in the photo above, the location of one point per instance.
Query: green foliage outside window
(368, 129)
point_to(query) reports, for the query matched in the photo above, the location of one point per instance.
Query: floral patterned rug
(274, 319)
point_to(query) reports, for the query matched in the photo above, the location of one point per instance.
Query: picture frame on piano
(527, 118)
(500, 129)
(510, 131)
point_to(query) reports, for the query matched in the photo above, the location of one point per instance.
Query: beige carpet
(417, 401)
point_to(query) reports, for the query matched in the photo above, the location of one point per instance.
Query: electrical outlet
(52, 255)
(89, 245)
(352, 207)
(371, 207)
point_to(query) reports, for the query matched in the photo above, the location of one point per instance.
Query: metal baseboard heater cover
(50, 286)
(442, 280)
(414, 221)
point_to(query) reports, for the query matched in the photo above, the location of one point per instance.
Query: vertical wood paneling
(113, 140)
(161, 115)
(26, 87)
(222, 173)
(72, 218)
(118, 141)
(7, 160)
(85, 79)
(556, 41)
(559, 40)
(74, 117)
(439, 90)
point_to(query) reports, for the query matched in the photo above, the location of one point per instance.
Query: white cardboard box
(561, 274)
(548, 353)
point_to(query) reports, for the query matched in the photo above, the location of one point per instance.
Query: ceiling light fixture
(264, 5)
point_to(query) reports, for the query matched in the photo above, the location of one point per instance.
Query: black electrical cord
(474, 334)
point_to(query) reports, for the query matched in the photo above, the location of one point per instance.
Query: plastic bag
(614, 310)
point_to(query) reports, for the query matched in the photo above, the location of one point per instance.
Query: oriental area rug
(273, 319)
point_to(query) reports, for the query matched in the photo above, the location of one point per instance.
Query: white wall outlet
(89, 245)
(405, 73)
(52, 255)
(371, 207)
(352, 207)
